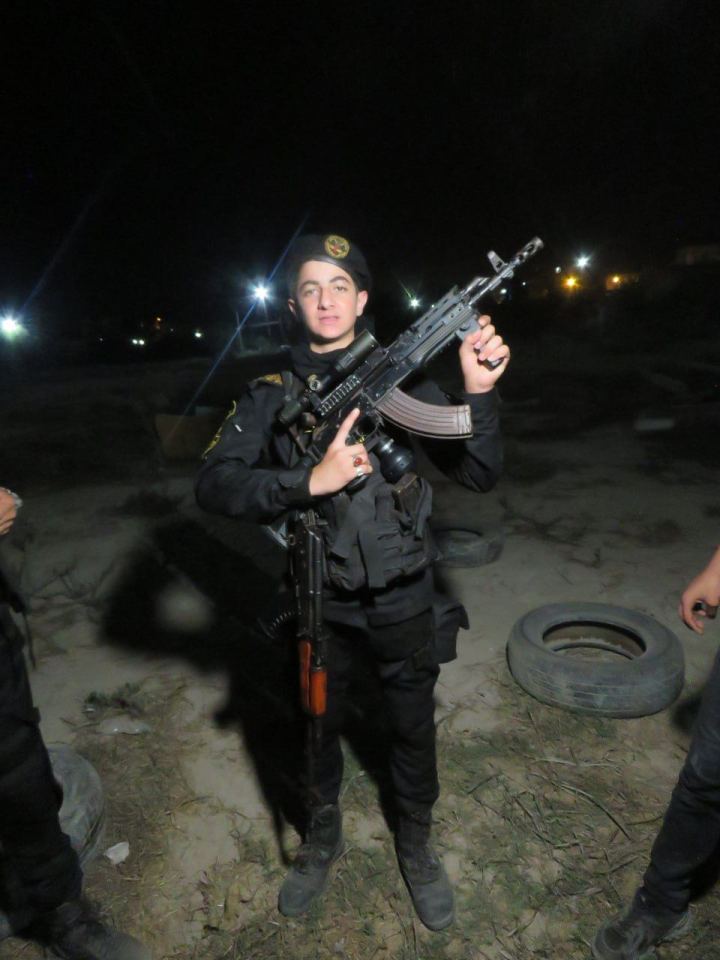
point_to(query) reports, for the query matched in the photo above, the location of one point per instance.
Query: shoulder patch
(216, 439)
(270, 378)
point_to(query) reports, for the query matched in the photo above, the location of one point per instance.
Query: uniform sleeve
(237, 478)
(476, 463)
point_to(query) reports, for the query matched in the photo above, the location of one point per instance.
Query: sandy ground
(142, 610)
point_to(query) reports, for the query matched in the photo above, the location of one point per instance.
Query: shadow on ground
(234, 594)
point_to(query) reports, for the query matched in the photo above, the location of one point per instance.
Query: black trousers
(407, 687)
(40, 870)
(689, 839)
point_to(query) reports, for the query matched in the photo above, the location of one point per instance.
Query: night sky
(158, 156)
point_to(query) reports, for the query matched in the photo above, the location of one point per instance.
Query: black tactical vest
(380, 533)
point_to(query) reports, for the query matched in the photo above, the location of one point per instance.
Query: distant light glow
(414, 303)
(261, 292)
(558, 269)
(571, 283)
(503, 290)
(137, 342)
(198, 334)
(11, 327)
(616, 279)
(582, 261)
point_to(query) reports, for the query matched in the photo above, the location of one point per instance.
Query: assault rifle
(306, 560)
(368, 376)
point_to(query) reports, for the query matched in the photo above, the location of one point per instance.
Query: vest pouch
(379, 535)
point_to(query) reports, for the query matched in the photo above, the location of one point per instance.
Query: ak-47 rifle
(306, 559)
(368, 376)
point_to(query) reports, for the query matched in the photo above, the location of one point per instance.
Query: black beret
(330, 248)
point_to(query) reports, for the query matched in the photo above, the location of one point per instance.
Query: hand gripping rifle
(306, 559)
(368, 376)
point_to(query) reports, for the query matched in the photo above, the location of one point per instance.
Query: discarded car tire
(82, 814)
(462, 545)
(596, 658)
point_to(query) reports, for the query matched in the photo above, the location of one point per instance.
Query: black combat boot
(631, 935)
(423, 873)
(74, 931)
(308, 874)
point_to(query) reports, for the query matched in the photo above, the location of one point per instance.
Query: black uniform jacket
(248, 472)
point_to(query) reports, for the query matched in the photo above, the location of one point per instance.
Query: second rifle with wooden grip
(306, 557)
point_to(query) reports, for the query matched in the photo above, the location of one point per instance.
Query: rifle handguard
(313, 683)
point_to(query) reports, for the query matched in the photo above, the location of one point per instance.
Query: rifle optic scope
(361, 347)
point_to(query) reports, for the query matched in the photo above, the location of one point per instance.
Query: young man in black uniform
(43, 871)
(383, 594)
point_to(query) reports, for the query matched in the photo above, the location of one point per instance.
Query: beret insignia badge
(337, 247)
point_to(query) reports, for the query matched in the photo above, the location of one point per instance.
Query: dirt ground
(143, 611)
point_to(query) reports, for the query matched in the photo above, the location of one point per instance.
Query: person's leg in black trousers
(37, 855)
(41, 868)
(408, 687)
(690, 834)
(688, 839)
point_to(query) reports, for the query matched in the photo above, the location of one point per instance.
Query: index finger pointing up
(347, 425)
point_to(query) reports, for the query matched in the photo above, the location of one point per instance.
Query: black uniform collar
(305, 361)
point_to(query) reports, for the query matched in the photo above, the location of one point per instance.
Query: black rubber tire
(82, 814)
(464, 545)
(643, 673)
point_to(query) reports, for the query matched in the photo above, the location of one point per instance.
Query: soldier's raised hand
(342, 462)
(480, 345)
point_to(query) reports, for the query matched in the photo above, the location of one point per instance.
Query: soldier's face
(329, 303)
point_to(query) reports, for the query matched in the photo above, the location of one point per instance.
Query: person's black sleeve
(237, 478)
(476, 462)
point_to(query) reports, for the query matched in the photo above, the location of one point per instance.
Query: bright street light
(414, 303)
(198, 334)
(261, 292)
(10, 327)
(582, 261)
